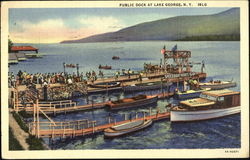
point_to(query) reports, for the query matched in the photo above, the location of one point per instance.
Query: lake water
(222, 61)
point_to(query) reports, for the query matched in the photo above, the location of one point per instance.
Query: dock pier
(82, 127)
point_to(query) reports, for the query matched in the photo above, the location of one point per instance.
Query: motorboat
(210, 104)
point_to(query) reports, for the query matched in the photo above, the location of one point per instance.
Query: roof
(219, 93)
(197, 102)
(23, 48)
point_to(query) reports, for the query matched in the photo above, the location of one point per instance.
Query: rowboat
(211, 104)
(126, 128)
(105, 67)
(136, 101)
(217, 84)
(105, 85)
(190, 93)
(115, 57)
(146, 86)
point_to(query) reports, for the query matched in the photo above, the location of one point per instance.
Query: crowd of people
(24, 78)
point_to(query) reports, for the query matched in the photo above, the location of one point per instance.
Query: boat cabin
(212, 99)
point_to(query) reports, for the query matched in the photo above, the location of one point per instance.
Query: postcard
(125, 79)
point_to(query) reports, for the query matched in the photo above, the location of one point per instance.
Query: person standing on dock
(45, 91)
(129, 73)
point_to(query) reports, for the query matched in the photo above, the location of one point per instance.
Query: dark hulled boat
(136, 101)
(146, 86)
(105, 67)
(105, 85)
(115, 58)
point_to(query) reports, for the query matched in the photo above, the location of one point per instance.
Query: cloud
(102, 24)
(55, 30)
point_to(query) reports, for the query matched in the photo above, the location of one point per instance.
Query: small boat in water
(105, 67)
(126, 128)
(136, 101)
(190, 93)
(105, 85)
(115, 57)
(211, 104)
(147, 86)
(217, 84)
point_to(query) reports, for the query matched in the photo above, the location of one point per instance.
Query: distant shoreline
(212, 38)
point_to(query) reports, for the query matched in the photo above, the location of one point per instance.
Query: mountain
(225, 23)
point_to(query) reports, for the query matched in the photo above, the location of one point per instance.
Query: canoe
(146, 86)
(217, 84)
(136, 101)
(105, 85)
(126, 128)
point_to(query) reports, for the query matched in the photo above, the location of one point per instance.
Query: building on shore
(25, 49)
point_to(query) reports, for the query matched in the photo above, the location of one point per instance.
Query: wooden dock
(57, 107)
(81, 127)
(66, 106)
(134, 79)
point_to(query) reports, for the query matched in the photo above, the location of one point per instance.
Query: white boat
(217, 84)
(211, 104)
(126, 128)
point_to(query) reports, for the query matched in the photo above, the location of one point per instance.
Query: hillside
(223, 24)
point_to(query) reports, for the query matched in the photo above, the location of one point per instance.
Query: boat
(105, 67)
(217, 84)
(136, 101)
(105, 85)
(115, 58)
(210, 104)
(190, 93)
(126, 128)
(146, 86)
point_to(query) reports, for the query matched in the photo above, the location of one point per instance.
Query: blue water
(222, 61)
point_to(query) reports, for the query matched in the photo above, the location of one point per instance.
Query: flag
(163, 50)
(174, 48)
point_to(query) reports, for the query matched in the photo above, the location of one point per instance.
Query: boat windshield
(208, 97)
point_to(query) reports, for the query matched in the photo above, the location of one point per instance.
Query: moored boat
(190, 93)
(211, 104)
(126, 128)
(136, 101)
(146, 86)
(115, 57)
(217, 84)
(105, 85)
(105, 67)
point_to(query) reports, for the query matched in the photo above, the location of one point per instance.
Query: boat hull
(126, 131)
(187, 95)
(218, 86)
(136, 103)
(144, 88)
(104, 86)
(185, 116)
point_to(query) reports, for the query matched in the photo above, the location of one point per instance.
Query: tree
(10, 44)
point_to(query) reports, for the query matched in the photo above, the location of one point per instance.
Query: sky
(53, 25)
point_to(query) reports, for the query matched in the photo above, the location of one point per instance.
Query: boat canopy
(197, 102)
(220, 93)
